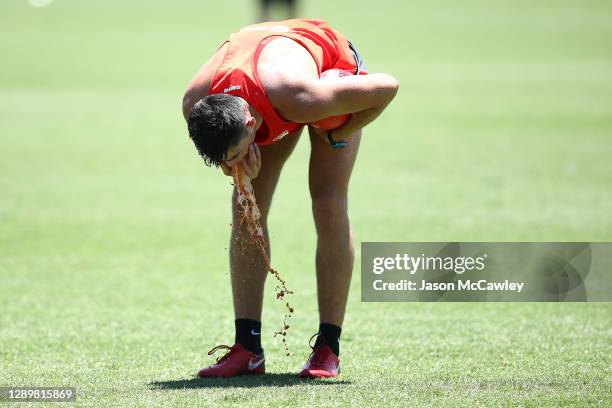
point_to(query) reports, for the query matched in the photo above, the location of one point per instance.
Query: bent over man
(247, 106)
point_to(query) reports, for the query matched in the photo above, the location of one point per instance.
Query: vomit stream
(251, 215)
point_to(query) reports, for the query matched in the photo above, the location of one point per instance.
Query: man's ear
(251, 122)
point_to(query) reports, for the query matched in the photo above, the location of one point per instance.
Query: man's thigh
(273, 157)
(330, 169)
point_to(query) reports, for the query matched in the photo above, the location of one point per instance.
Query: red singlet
(237, 73)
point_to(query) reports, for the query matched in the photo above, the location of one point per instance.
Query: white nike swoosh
(254, 333)
(254, 365)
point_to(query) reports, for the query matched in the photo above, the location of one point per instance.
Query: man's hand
(250, 163)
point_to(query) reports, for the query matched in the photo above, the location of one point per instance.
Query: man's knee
(329, 207)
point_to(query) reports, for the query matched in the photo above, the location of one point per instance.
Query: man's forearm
(358, 120)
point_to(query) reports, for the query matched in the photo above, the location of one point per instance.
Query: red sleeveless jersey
(237, 73)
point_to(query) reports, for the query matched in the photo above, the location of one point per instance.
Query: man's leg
(247, 267)
(248, 271)
(329, 174)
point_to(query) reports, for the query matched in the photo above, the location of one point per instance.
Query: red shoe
(322, 363)
(237, 361)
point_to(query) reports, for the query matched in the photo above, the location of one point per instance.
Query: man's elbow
(391, 85)
(189, 99)
(186, 106)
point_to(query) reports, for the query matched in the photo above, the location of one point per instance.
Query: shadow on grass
(245, 381)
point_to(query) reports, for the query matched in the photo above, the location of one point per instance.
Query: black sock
(248, 334)
(329, 334)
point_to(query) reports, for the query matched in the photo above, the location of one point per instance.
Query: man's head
(222, 128)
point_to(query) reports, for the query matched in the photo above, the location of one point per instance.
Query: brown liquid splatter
(251, 215)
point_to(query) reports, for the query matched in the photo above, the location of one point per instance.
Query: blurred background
(113, 234)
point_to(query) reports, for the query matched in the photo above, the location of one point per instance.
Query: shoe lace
(221, 347)
(315, 358)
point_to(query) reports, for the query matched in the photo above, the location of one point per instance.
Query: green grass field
(113, 235)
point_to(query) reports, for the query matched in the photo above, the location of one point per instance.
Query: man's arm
(364, 96)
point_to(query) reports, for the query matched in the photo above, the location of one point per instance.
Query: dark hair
(216, 123)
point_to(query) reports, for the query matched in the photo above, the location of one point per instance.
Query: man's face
(238, 151)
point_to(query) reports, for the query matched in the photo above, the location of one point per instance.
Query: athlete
(247, 106)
